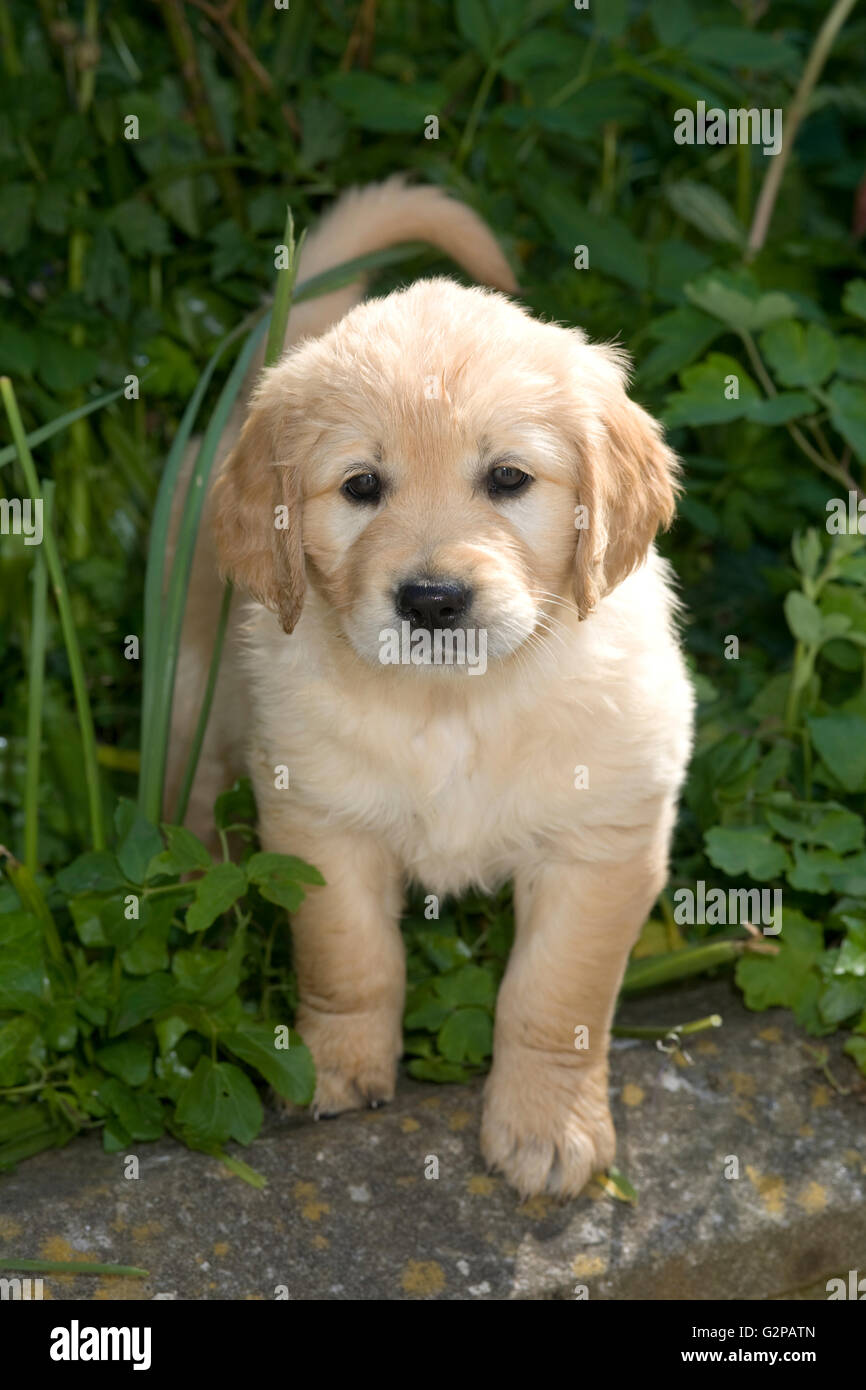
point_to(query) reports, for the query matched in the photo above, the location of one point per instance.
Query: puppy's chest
(438, 785)
(450, 798)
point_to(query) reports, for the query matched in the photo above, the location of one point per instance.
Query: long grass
(64, 607)
(277, 326)
(164, 592)
(36, 692)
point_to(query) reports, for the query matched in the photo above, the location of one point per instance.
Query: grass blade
(349, 271)
(154, 746)
(204, 712)
(73, 1267)
(273, 351)
(283, 294)
(55, 426)
(70, 637)
(36, 694)
(149, 791)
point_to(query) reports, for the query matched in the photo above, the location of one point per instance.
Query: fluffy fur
(427, 773)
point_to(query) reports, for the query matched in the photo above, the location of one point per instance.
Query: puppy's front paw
(546, 1123)
(355, 1056)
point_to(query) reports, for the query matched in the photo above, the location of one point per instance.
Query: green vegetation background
(138, 256)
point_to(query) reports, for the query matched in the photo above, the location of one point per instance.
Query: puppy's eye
(364, 487)
(504, 478)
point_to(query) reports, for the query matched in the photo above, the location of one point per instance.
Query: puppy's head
(439, 462)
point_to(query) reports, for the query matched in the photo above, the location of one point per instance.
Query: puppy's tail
(381, 215)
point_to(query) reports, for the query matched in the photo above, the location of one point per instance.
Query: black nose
(432, 603)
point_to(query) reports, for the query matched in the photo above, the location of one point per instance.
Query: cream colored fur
(401, 773)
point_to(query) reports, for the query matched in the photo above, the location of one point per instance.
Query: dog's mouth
(455, 641)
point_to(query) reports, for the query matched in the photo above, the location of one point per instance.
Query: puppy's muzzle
(432, 604)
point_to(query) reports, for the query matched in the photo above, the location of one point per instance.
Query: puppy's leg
(546, 1121)
(350, 963)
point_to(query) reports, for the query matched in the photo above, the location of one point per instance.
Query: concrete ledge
(349, 1214)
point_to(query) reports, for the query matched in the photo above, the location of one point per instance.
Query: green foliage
(149, 257)
(154, 1016)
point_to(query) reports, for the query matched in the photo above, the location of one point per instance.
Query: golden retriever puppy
(460, 655)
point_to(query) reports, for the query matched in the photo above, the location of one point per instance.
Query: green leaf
(62, 367)
(97, 872)
(476, 26)
(139, 841)
(139, 1113)
(467, 1036)
(15, 225)
(184, 854)
(208, 976)
(437, 1069)
(130, 1061)
(854, 298)
(141, 229)
(804, 618)
(806, 550)
(289, 1070)
(237, 806)
(613, 247)
(149, 950)
(736, 301)
(101, 920)
(852, 952)
(841, 741)
(95, 993)
(241, 1104)
(278, 878)
(800, 354)
(60, 1027)
(17, 350)
(611, 18)
(23, 982)
(201, 1112)
(704, 400)
(683, 334)
(815, 870)
(215, 893)
(138, 1000)
(617, 1185)
(427, 1013)
(471, 984)
(705, 208)
(842, 999)
(778, 410)
(115, 1139)
(848, 414)
(169, 1032)
(542, 49)
(171, 370)
(736, 46)
(819, 824)
(745, 850)
(855, 1048)
(791, 978)
(376, 104)
(673, 21)
(17, 1036)
(852, 356)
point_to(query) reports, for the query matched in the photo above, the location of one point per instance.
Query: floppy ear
(257, 520)
(627, 489)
